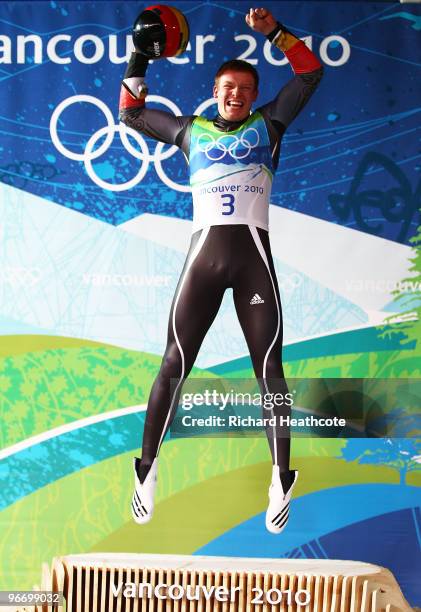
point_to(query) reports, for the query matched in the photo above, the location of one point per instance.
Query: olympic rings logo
(20, 276)
(142, 154)
(289, 282)
(237, 148)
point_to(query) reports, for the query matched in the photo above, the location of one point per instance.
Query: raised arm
(307, 69)
(160, 125)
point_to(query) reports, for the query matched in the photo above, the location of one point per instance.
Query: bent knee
(172, 362)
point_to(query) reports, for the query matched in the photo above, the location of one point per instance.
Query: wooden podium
(152, 583)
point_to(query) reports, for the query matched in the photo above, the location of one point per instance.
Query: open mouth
(235, 104)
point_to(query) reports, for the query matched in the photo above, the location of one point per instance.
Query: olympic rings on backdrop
(289, 282)
(90, 153)
(219, 149)
(55, 117)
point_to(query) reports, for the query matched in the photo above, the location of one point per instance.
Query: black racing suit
(229, 255)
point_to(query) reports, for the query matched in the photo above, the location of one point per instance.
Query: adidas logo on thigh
(256, 299)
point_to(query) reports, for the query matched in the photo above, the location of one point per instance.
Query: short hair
(239, 66)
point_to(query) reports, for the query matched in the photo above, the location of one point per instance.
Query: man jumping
(232, 159)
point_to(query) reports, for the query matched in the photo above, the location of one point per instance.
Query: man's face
(235, 92)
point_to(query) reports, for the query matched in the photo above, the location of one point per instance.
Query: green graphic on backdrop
(87, 509)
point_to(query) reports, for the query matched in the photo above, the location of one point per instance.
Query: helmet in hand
(160, 31)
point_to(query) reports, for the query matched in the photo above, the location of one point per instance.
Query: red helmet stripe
(172, 28)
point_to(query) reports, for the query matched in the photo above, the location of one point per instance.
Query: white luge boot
(277, 513)
(143, 495)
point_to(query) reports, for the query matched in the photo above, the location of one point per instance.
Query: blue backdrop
(352, 158)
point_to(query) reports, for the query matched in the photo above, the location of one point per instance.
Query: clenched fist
(261, 20)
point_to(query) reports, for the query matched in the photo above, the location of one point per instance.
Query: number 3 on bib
(228, 205)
